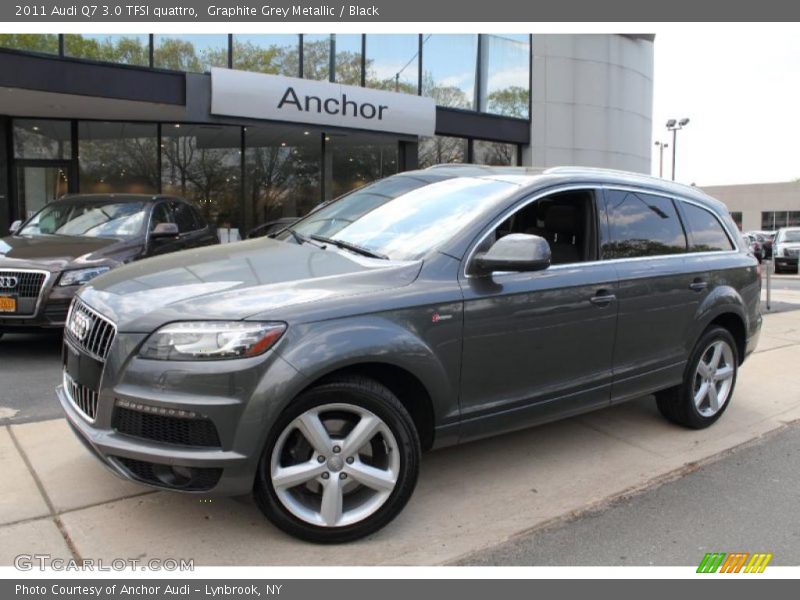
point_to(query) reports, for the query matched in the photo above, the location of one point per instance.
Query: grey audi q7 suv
(431, 308)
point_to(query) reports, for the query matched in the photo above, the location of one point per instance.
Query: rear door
(657, 296)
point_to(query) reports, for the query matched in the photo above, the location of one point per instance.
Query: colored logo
(735, 562)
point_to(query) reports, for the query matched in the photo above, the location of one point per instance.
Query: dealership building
(761, 206)
(258, 127)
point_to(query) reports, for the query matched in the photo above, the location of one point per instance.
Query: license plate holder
(81, 368)
(8, 304)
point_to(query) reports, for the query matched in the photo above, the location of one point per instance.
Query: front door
(39, 184)
(538, 346)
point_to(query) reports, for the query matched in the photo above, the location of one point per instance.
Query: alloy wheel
(713, 379)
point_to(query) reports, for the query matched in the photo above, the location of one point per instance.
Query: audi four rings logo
(79, 326)
(8, 282)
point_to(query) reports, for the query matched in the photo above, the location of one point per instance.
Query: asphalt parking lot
(469, 500)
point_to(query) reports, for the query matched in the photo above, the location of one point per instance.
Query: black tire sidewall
(378, 400)
(713, 334)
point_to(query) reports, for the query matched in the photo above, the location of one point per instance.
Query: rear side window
(706, 230)
(185, 217)
(641, 225)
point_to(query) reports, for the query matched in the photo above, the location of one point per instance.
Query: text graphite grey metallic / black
(431, 308)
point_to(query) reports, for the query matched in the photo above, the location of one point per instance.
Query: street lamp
(661, 146)
(674, 126)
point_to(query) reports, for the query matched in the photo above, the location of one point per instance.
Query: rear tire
(708, 383)
(340, 463)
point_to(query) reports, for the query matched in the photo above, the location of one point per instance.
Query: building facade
(761, 206)
(197, 115)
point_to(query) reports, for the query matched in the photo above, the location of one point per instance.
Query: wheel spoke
(700, 394)
(315, 433)
(723, 373)
(362, 433)
(331, 508)
(703, 369)
(377, 479)
(716, 356)
(288, 477)
(713, 398)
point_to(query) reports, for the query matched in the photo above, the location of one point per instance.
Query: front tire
(340, 463)
(709, 381)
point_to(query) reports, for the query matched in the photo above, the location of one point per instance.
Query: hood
(57, 252)
(235, 281)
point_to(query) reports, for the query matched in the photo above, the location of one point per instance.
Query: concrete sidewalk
(57, 499)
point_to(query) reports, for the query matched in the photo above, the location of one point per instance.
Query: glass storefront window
(128, 49)
(117, 157)
(392, 62)
(42, 138)
(448, 69)
(283, 166)
(439, 149)
(356, 160)
(737, 218)
(30, 42)
(277, 54)
(505, 74)
(202, 163)
(348, 58)
(192, 53)
(494, 153)
(38, 186)
(317, 57)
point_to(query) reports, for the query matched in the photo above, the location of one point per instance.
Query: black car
(72, 240)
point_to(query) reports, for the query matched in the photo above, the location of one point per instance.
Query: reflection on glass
(283, 164)
(356, 160)
(31, 42)
(348, 58)
(103, 218)
(448, 69)
(707, 232)
(641, 225)
(42, 138)
(192, 53)
(202, 163)
(37, 186)
(392, 62)
(117, 157)
(317, 57)
(276, 54)
(128, 49)
(440, 149)
(494, 153)
(505, 74)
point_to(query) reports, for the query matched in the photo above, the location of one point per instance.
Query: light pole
(674, 126)
(661, 146)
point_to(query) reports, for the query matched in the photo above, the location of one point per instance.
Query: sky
(741, 89)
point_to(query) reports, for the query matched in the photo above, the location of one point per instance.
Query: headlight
(211, 340)
(81, 276)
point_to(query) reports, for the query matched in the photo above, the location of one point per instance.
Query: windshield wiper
(298, 237)
(349, 246)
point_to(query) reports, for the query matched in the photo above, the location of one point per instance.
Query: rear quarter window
(707, 233)
(641, 225)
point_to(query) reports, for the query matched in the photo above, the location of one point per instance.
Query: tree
(512, 101)
(33, 42)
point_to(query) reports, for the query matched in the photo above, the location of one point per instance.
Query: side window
(199, 219)
(565, 219)
(707, 233)
(641, 225)
(184, 217)
(160, 215)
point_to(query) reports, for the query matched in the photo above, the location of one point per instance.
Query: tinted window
(161, 214)
(184, 217)
(641, 225)
(707, 232)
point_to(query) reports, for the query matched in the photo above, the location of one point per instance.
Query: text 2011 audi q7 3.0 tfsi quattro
(427, 309)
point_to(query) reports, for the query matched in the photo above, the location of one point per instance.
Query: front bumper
(50, 313)
(786, 261)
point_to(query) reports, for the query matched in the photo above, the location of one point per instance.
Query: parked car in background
(786, 249)
(76, 238)
(754, 243)
(765, 238)
(430, 308)
(271, 227)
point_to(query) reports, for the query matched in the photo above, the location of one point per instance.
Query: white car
(786, 249)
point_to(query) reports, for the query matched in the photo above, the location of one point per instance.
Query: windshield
(790, 236)
(92, 219)
(402, 217)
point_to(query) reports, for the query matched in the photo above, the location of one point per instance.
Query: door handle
(698, 285)
(602, 298)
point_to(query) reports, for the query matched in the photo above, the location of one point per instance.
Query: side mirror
(516, 252)
(164, 230)
(15, 226)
